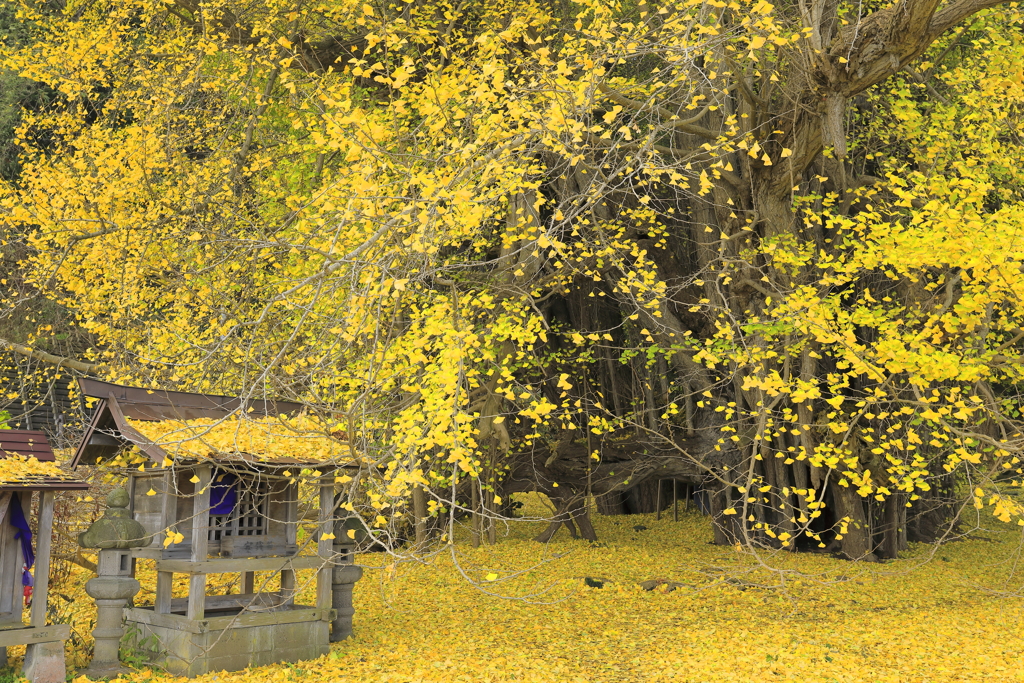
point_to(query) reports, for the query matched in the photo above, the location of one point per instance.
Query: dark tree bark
(856, 542)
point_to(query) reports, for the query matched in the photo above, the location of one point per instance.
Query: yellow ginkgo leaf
(151, 492)
(491, 577)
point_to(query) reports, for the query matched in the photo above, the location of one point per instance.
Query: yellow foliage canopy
(497, 228)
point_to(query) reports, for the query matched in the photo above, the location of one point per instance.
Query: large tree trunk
(894, 527)
(856, 540)
(611, 503)
(721, 523)
(647, 497)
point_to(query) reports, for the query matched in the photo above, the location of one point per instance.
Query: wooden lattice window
(249, 514)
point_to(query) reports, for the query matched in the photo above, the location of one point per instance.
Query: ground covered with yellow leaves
(477, 616)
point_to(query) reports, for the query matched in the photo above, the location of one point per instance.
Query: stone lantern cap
(115, 529)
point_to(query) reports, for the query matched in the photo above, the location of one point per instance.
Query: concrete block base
(226, 644)
(44, 663)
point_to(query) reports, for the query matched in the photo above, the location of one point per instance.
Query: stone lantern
(114, 535)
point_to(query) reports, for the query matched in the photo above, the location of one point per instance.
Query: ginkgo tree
(559, 247)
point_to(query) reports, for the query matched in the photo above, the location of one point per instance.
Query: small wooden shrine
(28, 469)
(216, 481)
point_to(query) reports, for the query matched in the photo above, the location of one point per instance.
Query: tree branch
(87, 368)
(683, 125)
(952, 14)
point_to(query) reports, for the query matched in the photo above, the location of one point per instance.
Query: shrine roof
(169, 426)
(273, 440)
(27, 463)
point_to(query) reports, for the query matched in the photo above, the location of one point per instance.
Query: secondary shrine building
(29, 470)
(226, 486)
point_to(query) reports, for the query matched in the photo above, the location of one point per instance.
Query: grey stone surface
(234, 649)
(343, 578)
(116, 528)
(112, 587)
(44, 663)
(111, 594)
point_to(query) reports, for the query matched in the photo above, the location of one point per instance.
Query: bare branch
(636, 105)
(88, 368)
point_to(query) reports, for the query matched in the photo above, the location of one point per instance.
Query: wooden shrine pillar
(200, 542)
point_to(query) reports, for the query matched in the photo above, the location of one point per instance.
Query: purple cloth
(24, 534)
(223, 494)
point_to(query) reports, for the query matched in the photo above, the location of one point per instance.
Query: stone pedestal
(111, 593)
(343, 578)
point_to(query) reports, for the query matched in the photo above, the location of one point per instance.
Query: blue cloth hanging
(223, 494)
(24, 534)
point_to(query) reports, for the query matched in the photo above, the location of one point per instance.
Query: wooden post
(657, 505)
(44, 532)
(675, 501)
(248, 583)
(200, 542)
(291, 538)
(168, 506)
(164, 586)
(10, 571)
(325, 546)
(10, 565)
